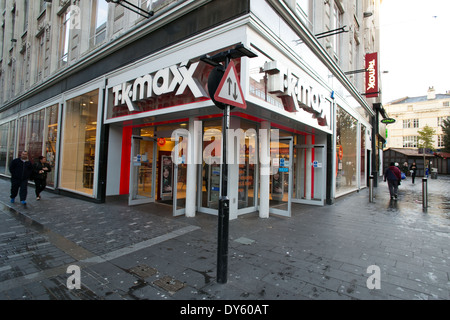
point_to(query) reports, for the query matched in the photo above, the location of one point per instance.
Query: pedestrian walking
(413, 170)
(40, 170)
(393, 176)
(21, 169)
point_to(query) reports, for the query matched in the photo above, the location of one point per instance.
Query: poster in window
(167, 174)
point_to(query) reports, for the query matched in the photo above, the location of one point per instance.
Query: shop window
(35, 135)
(346, 147)
(211, 169)
(363, 156)
(23, 124)
(4, 128)
(50, 142)
(247, 164)
(7, 143)
(79, 142)
(11, 144)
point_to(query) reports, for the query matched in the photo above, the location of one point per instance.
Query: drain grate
(169, 284)
(143, 271)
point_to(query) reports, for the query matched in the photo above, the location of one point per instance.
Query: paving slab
(144, 253)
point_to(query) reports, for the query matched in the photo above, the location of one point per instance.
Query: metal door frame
(131, 201)
(320, 202)
(288, 212)
(176, 135)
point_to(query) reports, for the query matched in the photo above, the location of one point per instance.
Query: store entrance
(309, 174)
(281, 180)
(154, 175)
(142, 170)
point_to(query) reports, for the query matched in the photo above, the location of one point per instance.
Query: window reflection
(50, 142)
(35, 135)
(3, 146)
(79, 138)
(346, 130)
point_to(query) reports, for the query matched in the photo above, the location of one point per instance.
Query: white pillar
(264, 151)
(194, 145)
(309, 168)
(233, 149)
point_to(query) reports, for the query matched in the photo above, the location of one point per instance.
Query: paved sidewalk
(143, 252)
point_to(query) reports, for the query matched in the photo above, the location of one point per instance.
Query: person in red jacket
(393, 175)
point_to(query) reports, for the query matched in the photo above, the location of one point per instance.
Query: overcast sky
(415, 47)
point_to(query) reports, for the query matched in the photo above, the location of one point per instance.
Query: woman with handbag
(40, 170)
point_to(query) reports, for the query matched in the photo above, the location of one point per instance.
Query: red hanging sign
(372, 90)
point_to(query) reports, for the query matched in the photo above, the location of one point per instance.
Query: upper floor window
(303, 8)
(410, 142)
(441, 142)
(2, 41)
(440, 120)
(25, 14)
(410, 123)
(337, 21)
(42, 5)
(100, 19)
(64, 37)
(40, 57)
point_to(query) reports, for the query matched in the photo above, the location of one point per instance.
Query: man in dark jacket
(21, 170)
(393, 175)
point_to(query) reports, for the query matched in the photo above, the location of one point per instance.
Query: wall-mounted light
(368, 14)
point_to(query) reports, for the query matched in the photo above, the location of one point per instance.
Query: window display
(346, 148)
(50, 142)
(3, 146)
(79, 142)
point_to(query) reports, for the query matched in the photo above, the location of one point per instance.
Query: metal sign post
(425, 194)
(224, 100)
(224, 203)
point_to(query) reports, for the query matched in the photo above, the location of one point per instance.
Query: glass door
(310, 166)
(281, 178)
(142, 170)
(179, 155)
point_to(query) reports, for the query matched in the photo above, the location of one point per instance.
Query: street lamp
(224, 202)
(132, 7)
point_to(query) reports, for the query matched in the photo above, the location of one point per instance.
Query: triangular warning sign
(229, 90)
